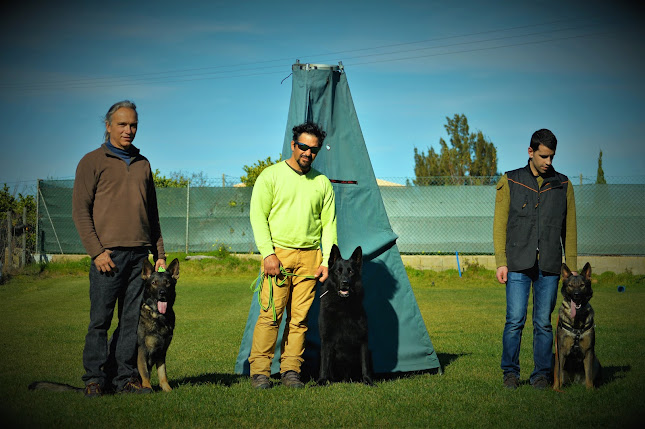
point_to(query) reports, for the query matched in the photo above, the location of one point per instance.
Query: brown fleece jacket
(115, 205)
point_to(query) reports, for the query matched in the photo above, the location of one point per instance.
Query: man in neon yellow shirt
(293, 215)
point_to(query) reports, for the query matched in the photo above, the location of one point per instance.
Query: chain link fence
(456, 215)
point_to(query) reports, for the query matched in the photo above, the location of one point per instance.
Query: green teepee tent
(398, 337)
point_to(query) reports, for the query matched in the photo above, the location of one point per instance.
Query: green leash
(259, 281)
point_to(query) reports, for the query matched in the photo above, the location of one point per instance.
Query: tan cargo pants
(295, 296)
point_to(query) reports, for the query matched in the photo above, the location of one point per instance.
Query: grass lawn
(44, 319)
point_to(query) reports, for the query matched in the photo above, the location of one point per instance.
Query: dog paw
(368, 381)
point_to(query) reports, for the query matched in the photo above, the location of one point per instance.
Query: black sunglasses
(303, 147)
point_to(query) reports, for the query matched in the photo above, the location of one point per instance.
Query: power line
(255, 63)
(150, 78)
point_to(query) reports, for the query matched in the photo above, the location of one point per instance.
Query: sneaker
(134, 386)
(92, 390)
(292, 379)
(511, 381)
(260, 381)
(541, 382)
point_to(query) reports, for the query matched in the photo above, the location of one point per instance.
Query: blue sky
(207, 79)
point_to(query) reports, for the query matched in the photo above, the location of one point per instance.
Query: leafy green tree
(179, 179)
(162, 181)
(469, 154)
(484, 162)
(254, 171)
(16, 204)
(600, 176)
(425, 166)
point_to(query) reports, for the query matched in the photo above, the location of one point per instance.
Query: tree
(469, 154)
(600, 176)
(16, 205)
(254, 171)
(485, 159)
(179, 179)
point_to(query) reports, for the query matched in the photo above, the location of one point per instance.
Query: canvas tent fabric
(398, 338)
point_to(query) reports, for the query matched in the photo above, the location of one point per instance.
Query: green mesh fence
(427, 219)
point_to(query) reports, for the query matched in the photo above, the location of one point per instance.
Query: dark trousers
(115, 363)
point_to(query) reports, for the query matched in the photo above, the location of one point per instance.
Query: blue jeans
(545, 292)
(115, 363)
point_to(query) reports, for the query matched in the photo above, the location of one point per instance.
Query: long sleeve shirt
(293, 211)
(115, 204)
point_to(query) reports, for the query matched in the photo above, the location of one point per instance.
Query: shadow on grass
(445, 359)
(222, 379)
(609, 374)
(230, 379)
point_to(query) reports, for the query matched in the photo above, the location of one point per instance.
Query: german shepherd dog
(155, 330)
(156, 322)
(344, 352)
(575, 356)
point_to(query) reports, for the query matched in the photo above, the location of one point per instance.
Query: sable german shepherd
(155, 330)
(156, 322)
(575, 356)
(344, 352)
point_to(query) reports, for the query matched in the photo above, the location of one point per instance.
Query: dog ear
(357, 256)
(147, 269)
(586, 271)
(173, 268)
(566, 272)
(333, 255)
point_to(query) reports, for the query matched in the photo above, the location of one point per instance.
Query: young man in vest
(535, 216)
(293, 216)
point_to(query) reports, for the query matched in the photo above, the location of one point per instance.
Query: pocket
(522, 206)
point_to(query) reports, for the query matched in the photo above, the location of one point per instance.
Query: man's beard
(304, 163)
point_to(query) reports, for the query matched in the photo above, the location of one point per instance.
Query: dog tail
(53, 387)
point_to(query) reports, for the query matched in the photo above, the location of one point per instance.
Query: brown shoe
(260, 381)
(292, 379)
(541, 382)
(511, 381)
(134, 386)
(92, 390)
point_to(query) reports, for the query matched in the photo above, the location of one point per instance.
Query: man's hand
(502, 274)
(161, 263)
(104, 263)
(272, 265)
(322, 274)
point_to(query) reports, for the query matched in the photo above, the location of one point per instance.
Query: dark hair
(545, 137)
(116, 106)
(309, 128)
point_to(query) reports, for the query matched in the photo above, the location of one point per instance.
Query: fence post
(187, 213)
(23, 259)
(37, 250)
(9, 258)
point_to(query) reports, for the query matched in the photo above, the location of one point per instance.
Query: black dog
(575, 356)
(344, 352)
(156, 322)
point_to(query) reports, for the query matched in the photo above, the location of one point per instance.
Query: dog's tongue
(573, 309)
(162, 306)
